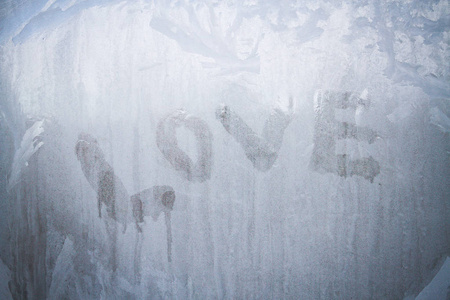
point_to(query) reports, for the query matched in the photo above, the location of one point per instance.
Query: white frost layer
(114, 71)
(29, 145)
(439, 119)
(4, 279)
(63, 270)
(439, 287)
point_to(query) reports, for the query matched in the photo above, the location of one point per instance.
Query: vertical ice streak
(137, 262)
(169, 235)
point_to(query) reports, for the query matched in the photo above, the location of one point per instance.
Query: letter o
(167, 143)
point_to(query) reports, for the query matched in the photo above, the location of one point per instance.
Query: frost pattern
(343, 195)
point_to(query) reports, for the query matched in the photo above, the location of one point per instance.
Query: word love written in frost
(262, 151)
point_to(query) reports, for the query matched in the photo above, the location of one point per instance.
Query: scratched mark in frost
(262, 150)
(166, 140)
(100, 175)
(327, 129)
(112, 192)
(152, 202)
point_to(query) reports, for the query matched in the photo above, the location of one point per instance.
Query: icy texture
(167, 142)
(328, 130)
(261, 151)
(297, 150)
(439, 287)
(4, 279)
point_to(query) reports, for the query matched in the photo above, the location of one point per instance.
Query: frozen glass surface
(224, 149)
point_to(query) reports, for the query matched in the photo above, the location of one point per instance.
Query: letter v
(262, 151)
